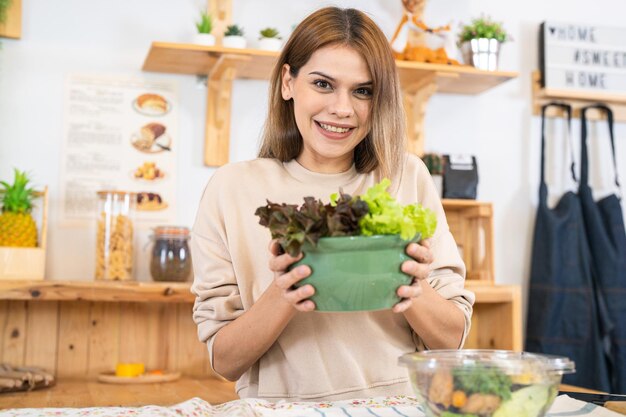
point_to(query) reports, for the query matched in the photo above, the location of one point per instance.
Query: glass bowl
(485, 383)
(356, 273)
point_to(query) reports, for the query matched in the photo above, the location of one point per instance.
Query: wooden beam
(415, 99)
(221, 12)
(218, 108)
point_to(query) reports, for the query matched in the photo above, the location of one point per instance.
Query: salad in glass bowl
(485, 383)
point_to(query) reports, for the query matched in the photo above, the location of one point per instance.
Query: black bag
(460, 176)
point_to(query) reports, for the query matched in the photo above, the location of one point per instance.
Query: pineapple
(17, 226)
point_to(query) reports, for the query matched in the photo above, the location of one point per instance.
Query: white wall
(113, 38)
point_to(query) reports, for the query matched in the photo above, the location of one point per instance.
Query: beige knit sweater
(326, 356)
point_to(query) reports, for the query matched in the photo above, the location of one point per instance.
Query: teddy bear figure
(413, 40)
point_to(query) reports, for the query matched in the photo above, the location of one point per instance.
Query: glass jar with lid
(114, 239)
(171, 257)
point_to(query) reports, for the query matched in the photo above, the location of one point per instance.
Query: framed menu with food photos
(119, 133)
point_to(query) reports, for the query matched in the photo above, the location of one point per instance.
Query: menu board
(582, 57)
(119, 133)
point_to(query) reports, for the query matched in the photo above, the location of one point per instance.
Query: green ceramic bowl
(356, 273)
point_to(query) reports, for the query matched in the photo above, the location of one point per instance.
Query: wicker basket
(27, 263)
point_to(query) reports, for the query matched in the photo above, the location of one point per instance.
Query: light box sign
(585, 58)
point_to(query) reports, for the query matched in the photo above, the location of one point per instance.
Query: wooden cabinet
(78, 329)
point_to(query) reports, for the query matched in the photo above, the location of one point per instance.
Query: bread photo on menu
(150, 202)
(152, 104)
(148, 135)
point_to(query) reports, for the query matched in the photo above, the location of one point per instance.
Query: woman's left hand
(418, 268)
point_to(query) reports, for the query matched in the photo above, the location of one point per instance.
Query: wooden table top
(81, 393)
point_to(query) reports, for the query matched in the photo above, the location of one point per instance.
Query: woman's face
(332, 97)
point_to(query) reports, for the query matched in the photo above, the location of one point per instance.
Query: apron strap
(543, 188)
(584, 167)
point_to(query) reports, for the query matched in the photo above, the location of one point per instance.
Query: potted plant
(233, 37)
(204, 26)
(353, 245)
(480, 42)
(270, 39)
(4, 7)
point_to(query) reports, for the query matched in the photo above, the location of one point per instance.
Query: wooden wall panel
(193, 354)
(133, 332)
(169, 336)
(73, 346)
(155, 353)
(14, 332)
(41, 335)
(104, 333)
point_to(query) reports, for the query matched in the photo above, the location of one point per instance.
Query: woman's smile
(334, 131)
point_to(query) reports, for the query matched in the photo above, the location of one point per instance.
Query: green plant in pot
(354, 246)
(204, 27)
(270, 39)
(4, 8)
(234, 37)
(480, 41)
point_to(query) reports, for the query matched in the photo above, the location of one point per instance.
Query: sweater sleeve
(448, 270)
(218, 299)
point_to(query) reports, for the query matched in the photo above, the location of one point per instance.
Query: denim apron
(604, 224)
(562, 310)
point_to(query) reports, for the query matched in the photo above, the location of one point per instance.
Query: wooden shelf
(177, 58)
(577, 100)
(89, 393)
(168, 292)
(257, 64)
(223, 65)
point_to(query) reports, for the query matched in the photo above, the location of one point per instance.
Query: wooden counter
(81, 393)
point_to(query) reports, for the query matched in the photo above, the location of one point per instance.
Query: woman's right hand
(285, 280)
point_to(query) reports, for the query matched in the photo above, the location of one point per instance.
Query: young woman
(335, 121)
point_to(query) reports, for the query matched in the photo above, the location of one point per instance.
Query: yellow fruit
(18, 229)
(17, 226)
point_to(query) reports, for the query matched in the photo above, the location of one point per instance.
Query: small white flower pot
(205, 39)
(234, 42)
(270, 44)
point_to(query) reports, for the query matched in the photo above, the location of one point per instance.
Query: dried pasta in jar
(114, 239)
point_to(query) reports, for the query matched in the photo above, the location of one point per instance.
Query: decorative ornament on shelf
(204, 26)
(480, 43)
(270, 39)
(22, 250)
(17, 226)
(413, 40)
(233, 37)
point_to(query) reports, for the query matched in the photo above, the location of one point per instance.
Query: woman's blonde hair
(384, 146)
